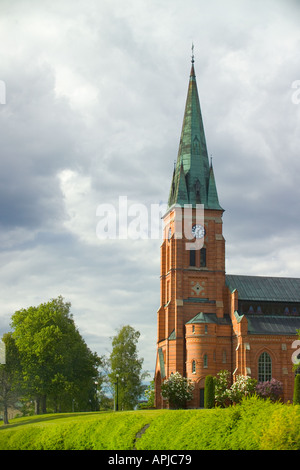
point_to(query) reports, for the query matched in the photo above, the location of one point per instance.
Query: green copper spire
(193, 180)
(212, 194)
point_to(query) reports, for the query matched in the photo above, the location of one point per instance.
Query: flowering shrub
(222, 388)
(177, 390)
(226, 394)
(242, 387)
(270, 389)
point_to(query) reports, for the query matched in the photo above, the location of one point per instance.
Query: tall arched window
(264, 367)
(205, 361)
(194, 367)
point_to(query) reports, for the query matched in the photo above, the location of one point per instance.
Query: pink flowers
(271, 389)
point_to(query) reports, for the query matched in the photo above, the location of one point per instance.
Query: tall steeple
(192, 271)
(193, 179)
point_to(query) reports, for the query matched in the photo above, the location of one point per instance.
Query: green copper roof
(193, 178)
(272, 289)
(172, 335)
(162, 363)
(212, 195)
(203, 318)
(273, 325)
(209, 318)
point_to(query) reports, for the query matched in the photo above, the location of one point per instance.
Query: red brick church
(209, 320)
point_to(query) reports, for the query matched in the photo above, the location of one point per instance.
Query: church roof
(271, 289)
(209, 318)
(193, 178)
(272, 325)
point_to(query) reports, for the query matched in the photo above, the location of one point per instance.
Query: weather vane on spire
(193, 59)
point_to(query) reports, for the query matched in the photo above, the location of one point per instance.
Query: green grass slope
(254, 424)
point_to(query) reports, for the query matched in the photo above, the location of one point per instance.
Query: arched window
(194, 367)
(264, 367)
(205, 362)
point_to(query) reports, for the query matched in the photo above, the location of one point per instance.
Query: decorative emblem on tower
(197, 288)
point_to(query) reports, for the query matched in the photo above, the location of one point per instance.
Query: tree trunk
(43, 404)
(5, 414)
(37, 406)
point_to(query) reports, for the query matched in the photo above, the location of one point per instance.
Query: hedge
(251, 425)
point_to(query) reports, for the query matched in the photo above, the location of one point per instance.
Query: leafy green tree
(126, 375)
(177, 390)
(150, 394)
(56, 362)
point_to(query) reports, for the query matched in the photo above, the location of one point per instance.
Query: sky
(92, 96)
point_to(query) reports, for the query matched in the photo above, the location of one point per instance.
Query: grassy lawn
(255, 424)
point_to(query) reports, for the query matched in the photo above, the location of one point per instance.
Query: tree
(55, 361)
(296, 397)
(177, 390)
(150, 395)
(209, 392)
(10, 377)
(126, 368)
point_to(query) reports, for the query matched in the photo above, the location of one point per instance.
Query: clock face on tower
(198, 231)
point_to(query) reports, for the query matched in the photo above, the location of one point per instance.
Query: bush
(103, 431)
(209, 392)
(296, 397)
(242, 387)
(282, 431)
(270, 389)
(225, 394)
(254, 415)
(221, 388)
(177, 390)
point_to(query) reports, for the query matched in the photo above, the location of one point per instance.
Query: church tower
(210, 321)
(193, 333)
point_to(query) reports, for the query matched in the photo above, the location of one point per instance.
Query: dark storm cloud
(37, 142)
